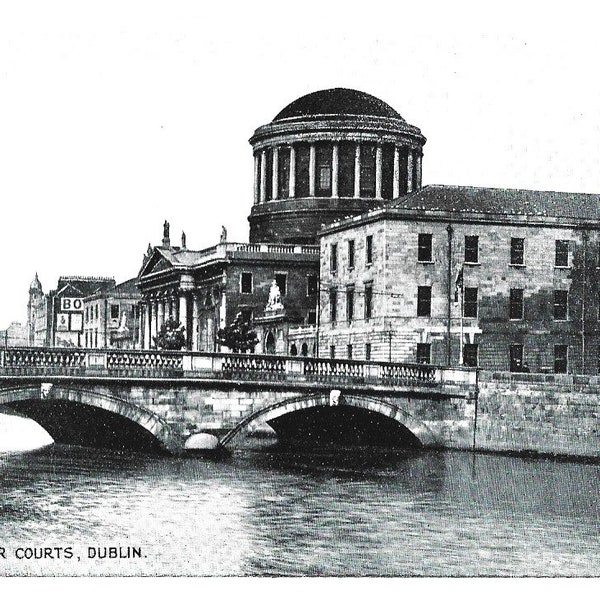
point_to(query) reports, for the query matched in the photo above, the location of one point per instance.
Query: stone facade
(522, 283)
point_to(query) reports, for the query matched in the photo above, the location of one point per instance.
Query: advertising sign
(76, 322)
(62, 322)
(71, 304)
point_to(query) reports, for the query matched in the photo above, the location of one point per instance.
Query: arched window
(270, 343)
(293, 350)
(304, 349)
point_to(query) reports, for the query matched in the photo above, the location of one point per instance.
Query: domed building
(327, 155)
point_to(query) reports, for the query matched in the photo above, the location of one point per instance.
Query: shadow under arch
(78, 416)
(422, 435)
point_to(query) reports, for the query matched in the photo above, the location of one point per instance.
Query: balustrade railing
(243, 367)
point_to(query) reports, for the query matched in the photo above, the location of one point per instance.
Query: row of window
(471, 256)
(247, 283)
(350, 304)
(333, 254)
(91, 312)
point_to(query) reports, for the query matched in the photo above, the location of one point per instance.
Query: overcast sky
(118, 115)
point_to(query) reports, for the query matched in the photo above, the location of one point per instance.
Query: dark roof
(86, 286)
(338, 101)
(128, 287)
(449, 198)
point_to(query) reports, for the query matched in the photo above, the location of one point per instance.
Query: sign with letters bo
(71, 304)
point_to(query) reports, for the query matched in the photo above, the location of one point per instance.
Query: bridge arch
(417, 428)
(45, 404)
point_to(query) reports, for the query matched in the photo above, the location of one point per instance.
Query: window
(369, 249)
(323, 168)
(561, 358)
(561, 253)
(246, 283)
(332, 351)
(349, 303)
(470, 302)
(311, 284)
(312, 317)
(561, 302)
(368, 300)
(351, 254)
(349, 349)
(598, 306)
(114, 311)
(368, 352)
(598, 360)
(424, 252)
(333, 305)
(333, 258)
(470, 355)
(96, 318)
(517, 251)
(424, 301)
(324, 178)
(516, 358)
(281, 281)
(246, 315)
(367, 170)
(284, 173)
(516, 304)
(471, 249)
(424, 353)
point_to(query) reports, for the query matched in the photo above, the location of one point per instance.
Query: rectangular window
(470, 302)
(333, 305)
(332, 351)
(281, 281)
(349, 303)
(283, 179)
(349, 349)
(323, 153)
(516, 304)
(302, 170)
(368, 301)
(368, 351)
(517, 251)
(516, 358)
(561, 253)
(369, 250)
(246, 283)
(424, 353)
(470, 355)
(333, 258)
(561, 305)
(424, 301)
(114, 311)
(471, 249)
(424, 252)
(367, 170)
(561, 358)
(311, 284)
(246, 315)
(312, 317)
(351, 254)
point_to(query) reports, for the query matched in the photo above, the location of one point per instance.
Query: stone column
(263, 176)
(357, 171)
(275, 179)
(378, 171)
(409, 172)
(195, 322)
(335, 168)
(292, 190)
(419, 174)
(183, 306)
(142, 310)
(153, 323)
(161, 314)
(312, 163)
(256, 179)
(396, 186)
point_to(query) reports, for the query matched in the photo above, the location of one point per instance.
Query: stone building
(501, 279)
(16, 334)
(111, 316)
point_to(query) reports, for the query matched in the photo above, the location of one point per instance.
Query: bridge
(160, 400)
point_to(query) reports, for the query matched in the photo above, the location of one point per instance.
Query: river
(270, 512)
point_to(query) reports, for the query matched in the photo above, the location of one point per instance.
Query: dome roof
(35, 285)
(338, 101)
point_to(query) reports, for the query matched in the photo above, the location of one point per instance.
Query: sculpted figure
(223, 234)
(274, 301)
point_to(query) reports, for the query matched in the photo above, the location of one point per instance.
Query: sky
(115, 116)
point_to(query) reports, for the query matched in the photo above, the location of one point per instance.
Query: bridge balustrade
(145, 364)
(44, 360)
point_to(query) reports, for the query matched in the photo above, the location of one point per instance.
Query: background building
(16, 334)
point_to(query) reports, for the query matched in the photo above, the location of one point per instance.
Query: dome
(35, 286)
(338, 101)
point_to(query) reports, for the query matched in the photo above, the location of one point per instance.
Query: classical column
(153, 322)
(312, 162)
(396, 186)
(142, 310)
(378, 171)
(409, 172)
(263, 176)
(357, 171)
(275, 180)
(183, 316)
(335, 168)
(161, 314)
(256, 179)
(168, 312)
(292, 190)
(419, 174)
(195, 321)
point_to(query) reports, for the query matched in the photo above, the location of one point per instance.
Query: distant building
(15, 335)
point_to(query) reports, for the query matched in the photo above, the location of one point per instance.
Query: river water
(269, 512)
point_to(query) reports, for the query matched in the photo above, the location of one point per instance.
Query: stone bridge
(159, 400)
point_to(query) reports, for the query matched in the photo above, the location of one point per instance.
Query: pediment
(155, 264)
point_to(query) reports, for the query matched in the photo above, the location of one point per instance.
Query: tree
(171, 336)
(238, 336)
